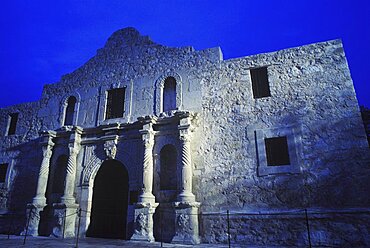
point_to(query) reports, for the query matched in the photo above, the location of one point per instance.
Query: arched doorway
(109, 202)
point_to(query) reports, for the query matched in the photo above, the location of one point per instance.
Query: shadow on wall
(22, 186)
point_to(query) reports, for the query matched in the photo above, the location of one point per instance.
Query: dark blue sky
(42, 40)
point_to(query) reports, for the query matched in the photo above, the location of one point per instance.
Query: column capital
(185, 137)
(47, 151)
(73, 149)
(147, 135)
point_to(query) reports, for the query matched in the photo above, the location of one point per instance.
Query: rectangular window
(260, 84)
(277, 151)
(12, 123)
(115, 103)
(3, 170)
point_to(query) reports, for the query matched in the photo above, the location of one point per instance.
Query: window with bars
(12, 123)
(277, 151)
(3, 170)
(115, 103)
(260, 84)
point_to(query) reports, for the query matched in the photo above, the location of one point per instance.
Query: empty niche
(168, 172)
(70, 111)
(169, 94)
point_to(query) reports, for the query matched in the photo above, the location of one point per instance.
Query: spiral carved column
(186, 208)
(146, 195)
(39, 201)
(40, 198)
(68, 207)
(146, 205)
(70, 175)
(186, 183)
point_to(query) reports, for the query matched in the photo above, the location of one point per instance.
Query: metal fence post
(228, 227)
(10, 225)
(308, 229)
(78, 228)
(161, 223)
(28, 223)
(64, 221)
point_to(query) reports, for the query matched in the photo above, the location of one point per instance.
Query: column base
(39, 201)
(66, 215)
(33, 219)
(146, 198)
(187, 230)
(186, 197)
(68, 200)
(144, 222)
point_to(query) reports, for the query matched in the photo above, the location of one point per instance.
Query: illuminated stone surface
(218, 129)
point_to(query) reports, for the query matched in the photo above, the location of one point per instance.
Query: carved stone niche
(110, 148)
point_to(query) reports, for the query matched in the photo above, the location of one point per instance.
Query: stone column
(145, 207)
(39, 201)
(186, 175)
(68, 197)
(42, 182)
(186, 208)
(66, 211)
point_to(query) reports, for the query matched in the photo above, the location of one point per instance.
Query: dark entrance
(109, 202)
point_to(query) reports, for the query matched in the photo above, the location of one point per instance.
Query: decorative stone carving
(183, 223)
(74, 148)
(94, 159)
(141, 225)
(185, 194)
(146, 205)
(187, 231)
(33, 220)
(110, 148)
(58, 228)
(48, 144)
(146, 195)
(144, 222)
(65, 216)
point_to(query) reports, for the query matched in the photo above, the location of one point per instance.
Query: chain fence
(231, 228)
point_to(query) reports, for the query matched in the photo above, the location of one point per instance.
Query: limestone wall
(312, 102)
(312, 94)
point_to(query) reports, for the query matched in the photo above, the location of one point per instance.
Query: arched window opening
(168, 168)
(169, 94)
(60, 175)
(70, 110)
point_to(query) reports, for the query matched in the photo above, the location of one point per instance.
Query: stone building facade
(149, 142)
